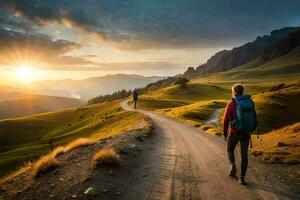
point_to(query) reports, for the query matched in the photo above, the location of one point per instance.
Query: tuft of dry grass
(58, 150)
(80, 142)
(106, 156)
(44, 164)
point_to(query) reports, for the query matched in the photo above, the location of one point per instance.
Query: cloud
(47, 13)
(11, 22)
(18, 47)
(69, 60)
(169, 24)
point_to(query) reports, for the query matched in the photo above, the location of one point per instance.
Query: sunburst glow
(26, 74)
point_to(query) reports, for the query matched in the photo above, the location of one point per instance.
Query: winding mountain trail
(193, 165)
(214, 119)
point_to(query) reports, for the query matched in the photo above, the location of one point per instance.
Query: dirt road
(193, 165)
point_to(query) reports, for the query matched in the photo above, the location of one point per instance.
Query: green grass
(279, 108)
(191, 93)
(156, 104)
(282, 69)
(27, 138)
(197, 114)
(176, 96)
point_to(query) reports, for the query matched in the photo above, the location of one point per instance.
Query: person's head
(237, 89)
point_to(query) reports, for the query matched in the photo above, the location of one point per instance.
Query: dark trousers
(135, 103)
(233, 139)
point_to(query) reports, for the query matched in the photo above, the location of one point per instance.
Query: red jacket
(230, 114)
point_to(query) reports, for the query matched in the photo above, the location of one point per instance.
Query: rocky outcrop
(284, 46)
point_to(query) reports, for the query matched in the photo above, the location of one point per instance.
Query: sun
(25, 74)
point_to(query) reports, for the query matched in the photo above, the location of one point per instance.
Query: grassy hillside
(196, 103)
(282, 69)
(282, 145)
(28, 104)
(268, 47)
(197, 114)
(176, 96)
(280, 108)
(27, 138)
(191, 93)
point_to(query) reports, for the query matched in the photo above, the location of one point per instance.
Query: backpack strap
(233, 119)
(235, 99)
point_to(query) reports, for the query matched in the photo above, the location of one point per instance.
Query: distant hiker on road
(240, 114)
(135, 97)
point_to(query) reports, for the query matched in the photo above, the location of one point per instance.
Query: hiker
(135, 97)
(241, 116)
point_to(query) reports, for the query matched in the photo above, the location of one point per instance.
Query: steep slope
(284, 46)
(278, 107)
(280, 69)
(281, 145)
(24, 139)
(14, 104)
(228, 59)
(91, 87)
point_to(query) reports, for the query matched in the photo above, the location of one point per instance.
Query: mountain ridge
(227, 59)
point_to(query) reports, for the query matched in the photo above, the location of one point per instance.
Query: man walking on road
(241, 116)
(135, 98)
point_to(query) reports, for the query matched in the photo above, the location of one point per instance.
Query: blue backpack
(246, 115)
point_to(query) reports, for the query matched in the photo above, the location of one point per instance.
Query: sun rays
(26, 74)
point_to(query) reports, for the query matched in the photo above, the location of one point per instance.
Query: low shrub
(107, 156)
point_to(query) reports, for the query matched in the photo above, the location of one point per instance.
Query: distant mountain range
(17, 104)
(91, 87)
(266, 48)
(46, 96)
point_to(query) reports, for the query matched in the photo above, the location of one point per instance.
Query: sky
(59, 39)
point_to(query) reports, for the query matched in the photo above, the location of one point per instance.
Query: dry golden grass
(80, 142)
(282, 145)
(58, 150)
(44, 164)
(24, 168)
(107, 156)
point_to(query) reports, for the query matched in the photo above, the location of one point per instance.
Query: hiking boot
(242, 180)
(232, 171)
